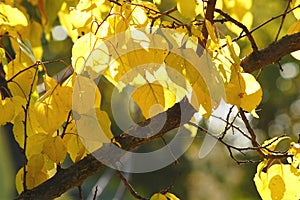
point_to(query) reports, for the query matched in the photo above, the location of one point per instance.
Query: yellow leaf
(94, 129)
(35, 144)
(295, 28)
(201, 4)
(11, 19)
(187, 8)
(3, 59)
(6, 106)
(35, 164)
(18, 129)
(280, 182)
(52, 109)
(139, 16)
(90, 54)
(232, 52)
(93, 125)
(201, 99)
(153, 98)
(171, 196)
(211, 31)
(239, 10)
(22, 83)
(158, 196)
(55, 149)
(35, 174)
(252, 92)
(296, 12)
(105, 124)
(34, 37)
(243, 91)
(75, 148)
(295, 151)
(86, 95)
(19, 180)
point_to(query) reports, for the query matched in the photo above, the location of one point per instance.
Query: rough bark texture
(73, 176)
(273, 53)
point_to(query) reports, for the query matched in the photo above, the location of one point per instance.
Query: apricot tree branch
(272, 53)
(73, 176)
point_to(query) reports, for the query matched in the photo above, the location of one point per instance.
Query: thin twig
(166, 144)
(242, 26)
(26, 108)
(282, 20)
(129, 187)
(228, 146)
(67, 123)
(265, 23)
(95, 193)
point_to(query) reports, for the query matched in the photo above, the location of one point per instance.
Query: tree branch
(74, 176)
(272, 53)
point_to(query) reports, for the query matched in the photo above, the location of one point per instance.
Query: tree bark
(272, 53)
(74, 176)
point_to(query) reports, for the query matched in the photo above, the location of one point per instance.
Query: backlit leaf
(6, 106)
(11, 19)
(171, 196)
(35, 144)
(239, 10)
(55, 149)
(52, 109)
(296, 12)
(75, 148)
(187, 8)
(158, 196)
(25, 79)
(295, 28)
(153, 98)
(90, 54)
(295, 151)
(280, 182)
(93, 125)
(244, 91)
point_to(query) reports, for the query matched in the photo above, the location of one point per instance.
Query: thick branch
(209, 15)
(273, 53)
(74, 176)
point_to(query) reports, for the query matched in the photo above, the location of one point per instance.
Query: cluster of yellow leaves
(162, 74)
(125, 59)
(166, 196)
(280, 181)
(242, 89)
(88, 16)
(40, 120)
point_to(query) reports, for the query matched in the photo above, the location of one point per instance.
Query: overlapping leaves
(162, 68)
